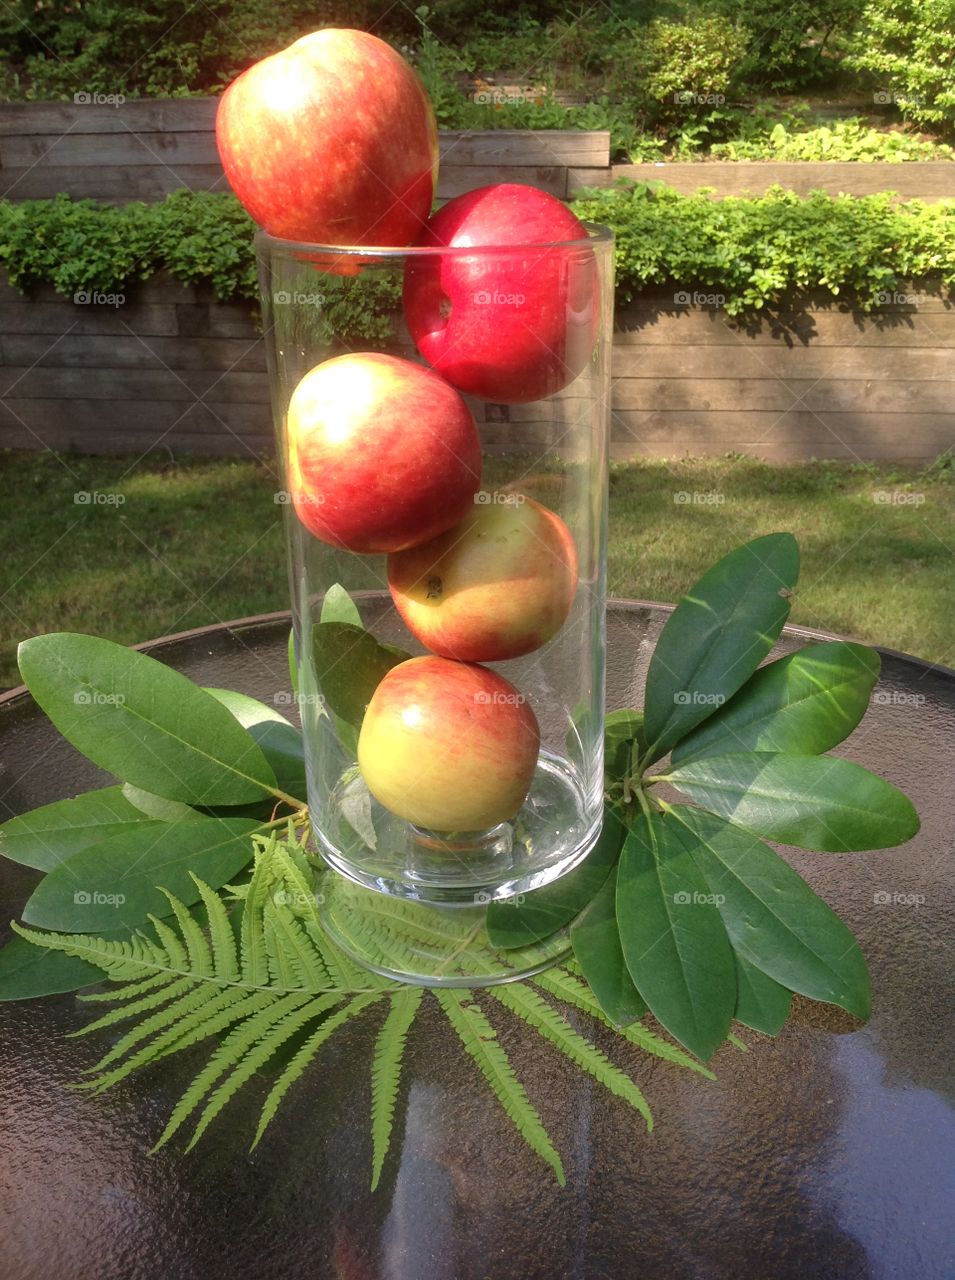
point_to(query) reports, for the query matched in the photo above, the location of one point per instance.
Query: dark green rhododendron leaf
(338, 606)
(543, 911)
(27, 970)
(596, 942)
(45, 837)
(717, 636)
(673, 938)
(349, 665)
(805, 703)
(280, 742)
(814, 802)
(113, 885)
(761, 1002)
(773, 918)
(144, 722)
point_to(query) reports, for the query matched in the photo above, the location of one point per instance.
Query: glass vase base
(425, 944)
(553, 832)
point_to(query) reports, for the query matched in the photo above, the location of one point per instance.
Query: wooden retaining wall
(171, 369)
(141, 150)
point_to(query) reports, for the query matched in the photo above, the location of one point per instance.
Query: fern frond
(225, 958)
(196, 1007)
(130, 1009)
(386, 1073)
(305, 1055)
(480, 1041)
(257, 1055)
(544, 1018)
(115, 994)
(568, 987)
(198, 955)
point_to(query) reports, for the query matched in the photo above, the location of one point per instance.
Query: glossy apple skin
(333, 141)
(512, 326)
(382, 453)
(448, 746)
(498, 585)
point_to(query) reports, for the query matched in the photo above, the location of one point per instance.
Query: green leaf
(761, 1002)
(157, 807)
(279, 740)
(349, 665)
(338, 606)
(144, 722)
(673, 939)
(805, 703)
(596, 942)
(717, 636)
(43, 838)
(814, 802)
(112, 885)
(621, 730)
(515, 923)
(27, 970)
(773, 918)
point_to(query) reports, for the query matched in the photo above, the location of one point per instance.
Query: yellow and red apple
(448, 746)
(332, 140)
(518, 320)
(382, 453)
(498, 585)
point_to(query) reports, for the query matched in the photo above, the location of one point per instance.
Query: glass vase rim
(597, 234)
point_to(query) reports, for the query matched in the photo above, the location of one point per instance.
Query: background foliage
(751, 251)
(623, 62)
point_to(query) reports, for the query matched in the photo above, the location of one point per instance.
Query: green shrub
(752, 252)
(787, 44)
(908, 47)
(842, 140)
(675, 70)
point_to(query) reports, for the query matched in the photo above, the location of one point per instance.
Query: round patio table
(828, 1152)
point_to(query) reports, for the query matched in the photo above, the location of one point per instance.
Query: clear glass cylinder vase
(442, 426)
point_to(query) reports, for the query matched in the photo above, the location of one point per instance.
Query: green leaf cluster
(682, 908)
(258, 979)
(756, 252)
(752, 252)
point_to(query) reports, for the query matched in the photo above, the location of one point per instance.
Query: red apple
(448, 746)
(333, 140)
(513, 325)
(496, 586)
(382, 453)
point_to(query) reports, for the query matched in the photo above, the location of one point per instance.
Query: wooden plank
(150, 115)
(138, 425)
(117, 185)
(39, 383)
(920, 328)
(455, 180)
(783, 362)
(102, 150)
(919, 179)
(820, 396)
(56, 317)
(228, 354)
(798, 435)
(525, 148)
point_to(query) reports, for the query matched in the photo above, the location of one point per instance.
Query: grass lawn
(198, 542)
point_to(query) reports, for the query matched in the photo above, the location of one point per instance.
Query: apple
(448, 746)
(382, 453)
(496, 586)
(510, 326)
(332, 140)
